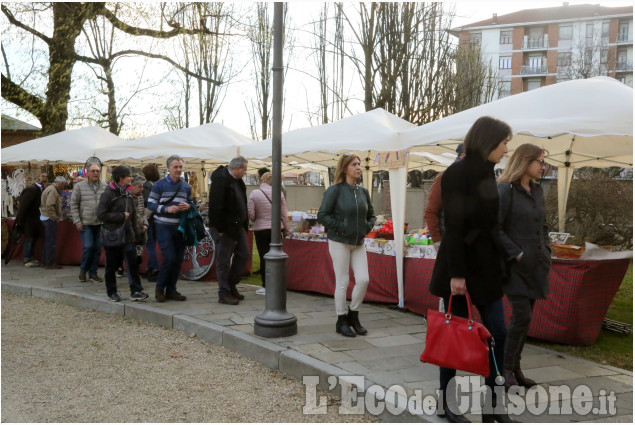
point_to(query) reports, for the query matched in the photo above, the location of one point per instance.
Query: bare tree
(66, 22)
(475, 81)
(589, 57)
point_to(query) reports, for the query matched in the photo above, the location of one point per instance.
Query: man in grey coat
(84, 201)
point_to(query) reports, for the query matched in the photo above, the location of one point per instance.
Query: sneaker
(32, 263)
(82, 276)
(261, 291)
(136, 296)
(175, 296)
(95, 278)
(115, 297)
(120, 273)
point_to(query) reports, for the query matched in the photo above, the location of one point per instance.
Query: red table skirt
(68, 250)
(581, 291)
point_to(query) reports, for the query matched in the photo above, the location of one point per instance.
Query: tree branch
(100, 61)
(153, 33)
(15, 94)
(19, 24)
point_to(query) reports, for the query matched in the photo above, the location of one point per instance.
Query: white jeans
(343, 256)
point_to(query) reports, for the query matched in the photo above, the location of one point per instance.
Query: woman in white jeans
(348, 216)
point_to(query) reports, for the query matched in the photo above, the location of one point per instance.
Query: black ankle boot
(342, 326)
(353, 321)
(500, 414)
(451, 417)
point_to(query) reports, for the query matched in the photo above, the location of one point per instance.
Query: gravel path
(66, 364)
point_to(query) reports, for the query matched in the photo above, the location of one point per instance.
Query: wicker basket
(567, 251)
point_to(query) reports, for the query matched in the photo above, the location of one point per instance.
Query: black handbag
(117, 236)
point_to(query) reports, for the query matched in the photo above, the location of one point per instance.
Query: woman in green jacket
(348, 216)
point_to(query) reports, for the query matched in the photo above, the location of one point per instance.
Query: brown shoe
(510, 379)
(159, 294)
(227, 299)
(175, 296)
(234, 292)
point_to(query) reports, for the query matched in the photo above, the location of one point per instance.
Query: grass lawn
(611, 348)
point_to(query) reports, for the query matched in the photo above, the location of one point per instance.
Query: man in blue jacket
(170, 196)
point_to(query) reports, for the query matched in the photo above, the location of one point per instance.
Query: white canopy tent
(579, 122)
(207, 144)
(70, 147)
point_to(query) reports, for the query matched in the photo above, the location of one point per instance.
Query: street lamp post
(275, 321)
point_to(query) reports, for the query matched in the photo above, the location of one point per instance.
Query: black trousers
(520, 320)
(263, 239)
(114, 258)
(232, 254)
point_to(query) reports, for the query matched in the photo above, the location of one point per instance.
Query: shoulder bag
(115, 237)
(457, 343)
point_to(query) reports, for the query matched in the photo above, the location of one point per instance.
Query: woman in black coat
(116, 208)
(525, 239)
(470, 258)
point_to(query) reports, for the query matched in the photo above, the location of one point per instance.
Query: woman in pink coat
(259, 208)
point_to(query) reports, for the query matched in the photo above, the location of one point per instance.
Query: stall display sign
(392, 159)
(559, 238)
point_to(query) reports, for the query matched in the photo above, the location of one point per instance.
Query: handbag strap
(173, 196)
(268, 199)
(469, 306)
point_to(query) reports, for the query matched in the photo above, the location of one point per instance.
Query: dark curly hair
(151, 172)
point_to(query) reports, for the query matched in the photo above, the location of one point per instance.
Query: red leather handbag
(457, 343)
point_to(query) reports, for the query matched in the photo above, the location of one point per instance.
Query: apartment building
(536, 47)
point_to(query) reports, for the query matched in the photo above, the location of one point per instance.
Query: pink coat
(259, 208)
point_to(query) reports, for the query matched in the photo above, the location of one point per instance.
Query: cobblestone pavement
(388, 356)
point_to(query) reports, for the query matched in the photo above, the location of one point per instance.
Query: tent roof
(591, 119)
(208, 143)
(70, 146)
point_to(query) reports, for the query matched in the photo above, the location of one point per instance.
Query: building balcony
(533, 69)
(624, 39)
(541, 43)
(623, 66)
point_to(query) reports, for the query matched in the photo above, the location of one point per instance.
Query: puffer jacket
(347, 213)
(114, 202)
(259, 208)
(84, 201)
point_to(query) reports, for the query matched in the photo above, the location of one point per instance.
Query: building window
(604, 56)
(605, 29)
(475, 38)
(566, 32)
(506, 37)
(505, 62)
(624, 34)
(564, 59)
(589, 31)
(533, 84)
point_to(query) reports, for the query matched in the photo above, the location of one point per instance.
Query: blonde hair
(343, 163)
(266, 178)
(524, 155)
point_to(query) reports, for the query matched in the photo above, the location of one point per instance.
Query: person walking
(470, 258)
(228, 215)
(84, 201)
(348, 215)
(27, 220)
(136, 191)
(169, 196)
(259, 207)
(50, 214)
(151, 173)
(525, 238)
(116, 208)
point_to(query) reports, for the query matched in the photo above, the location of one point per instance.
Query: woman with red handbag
(470, 258)
(525, 238)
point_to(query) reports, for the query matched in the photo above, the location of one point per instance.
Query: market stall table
(581, 290)
(68, 249)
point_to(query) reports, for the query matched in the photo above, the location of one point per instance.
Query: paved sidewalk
(387, 356)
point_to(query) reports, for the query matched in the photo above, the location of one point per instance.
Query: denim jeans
(114, 258)
(172, 247)
(228, 270)
(493, 318)
(29, 247)
(50, 239)
(91, 251)
(151, 245)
